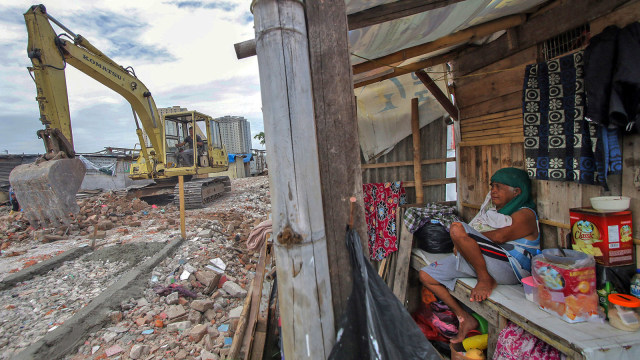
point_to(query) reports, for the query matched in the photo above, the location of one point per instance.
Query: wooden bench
(586, 340)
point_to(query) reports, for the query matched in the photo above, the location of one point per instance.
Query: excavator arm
(46, 189)
(50, 53)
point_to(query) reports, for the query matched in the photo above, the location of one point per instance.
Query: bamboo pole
(417, 166)
(304, 287)
(183, 231)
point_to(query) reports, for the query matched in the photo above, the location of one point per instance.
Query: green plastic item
(483, 325)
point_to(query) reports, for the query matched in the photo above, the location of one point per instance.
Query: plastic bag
(375, 325)
(434, 238)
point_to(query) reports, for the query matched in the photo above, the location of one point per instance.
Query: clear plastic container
(530, 289)
(624, 312)
(635, 284)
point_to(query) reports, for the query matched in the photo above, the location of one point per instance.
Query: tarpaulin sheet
(384, 110)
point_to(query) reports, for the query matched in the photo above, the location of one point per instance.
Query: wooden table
(586, 340)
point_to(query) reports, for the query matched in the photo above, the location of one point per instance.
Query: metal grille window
(566, 42)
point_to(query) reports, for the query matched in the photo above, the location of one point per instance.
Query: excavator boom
(46, 189)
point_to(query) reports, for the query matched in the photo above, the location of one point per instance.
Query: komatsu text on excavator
(46, 189)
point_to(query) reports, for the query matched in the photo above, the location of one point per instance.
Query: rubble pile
(189, 307)
(190, 303)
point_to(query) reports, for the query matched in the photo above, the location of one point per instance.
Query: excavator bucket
(47, 191)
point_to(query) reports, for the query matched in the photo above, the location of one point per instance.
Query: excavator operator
(186, 156)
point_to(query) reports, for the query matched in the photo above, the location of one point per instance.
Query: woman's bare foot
(483, 289)
(467, 323)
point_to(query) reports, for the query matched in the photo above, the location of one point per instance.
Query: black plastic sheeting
(375, 325)
(434, 238)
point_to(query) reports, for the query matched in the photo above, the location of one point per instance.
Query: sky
(181, 50)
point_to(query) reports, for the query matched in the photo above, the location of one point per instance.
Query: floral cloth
(514, 343)
(381, 201)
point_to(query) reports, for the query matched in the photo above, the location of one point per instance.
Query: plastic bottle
(635, 284)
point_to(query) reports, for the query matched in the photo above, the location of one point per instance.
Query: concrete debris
(148, 325)
(234, 290)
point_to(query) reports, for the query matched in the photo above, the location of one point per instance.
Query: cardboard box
(605, 235)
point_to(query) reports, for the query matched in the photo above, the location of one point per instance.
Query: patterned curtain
(559, 142)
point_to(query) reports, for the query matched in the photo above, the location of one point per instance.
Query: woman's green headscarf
(515, 178)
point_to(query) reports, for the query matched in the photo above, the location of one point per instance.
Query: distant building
(236, 134)
(171, 110)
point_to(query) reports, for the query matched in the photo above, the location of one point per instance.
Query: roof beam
(438, 94)
(457, 38)
(395, 10)
(409, 68)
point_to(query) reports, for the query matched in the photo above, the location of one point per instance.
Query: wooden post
(417, 164)
(338, 145)
(304, 287)
(183, 231)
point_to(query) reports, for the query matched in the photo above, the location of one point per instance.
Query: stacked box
(605, 235)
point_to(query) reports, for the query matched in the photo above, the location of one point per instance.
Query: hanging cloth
(558, 141)
(381, 201)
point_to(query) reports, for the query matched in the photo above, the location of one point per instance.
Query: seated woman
(499, 255)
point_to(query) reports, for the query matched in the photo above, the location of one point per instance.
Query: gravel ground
(34, 307)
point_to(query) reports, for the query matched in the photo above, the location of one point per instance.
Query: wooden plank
(405, 242)
(631, 172)
(501, 140)
(338, 144)
(498, 115)
(407, 163)
(494, 132)
(521, 57)
(501, 103)
(257, 348)
(465, 124)
(415, 134)
(407, 68)
(489, 87)
(565, 16)
(624, 15)
(444, 42)
(256, 295)
(393, 10)
(442, 99)
(238, 337)
(245, 49)
(431, 182)
(304, 283)
(505, 155)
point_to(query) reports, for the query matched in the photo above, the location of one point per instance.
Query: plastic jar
(624, 312)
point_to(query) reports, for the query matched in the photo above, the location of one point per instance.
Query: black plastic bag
(434, 238)
(375, 325)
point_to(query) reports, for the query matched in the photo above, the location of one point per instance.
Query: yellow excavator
(46, 189)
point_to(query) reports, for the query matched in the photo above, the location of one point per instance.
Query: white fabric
(384, 110)
(385, 38)
(488, 218)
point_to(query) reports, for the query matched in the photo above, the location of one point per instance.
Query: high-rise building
(236, 134)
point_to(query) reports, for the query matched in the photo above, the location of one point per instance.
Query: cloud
(181, 50)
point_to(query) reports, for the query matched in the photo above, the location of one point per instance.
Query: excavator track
(199, 193)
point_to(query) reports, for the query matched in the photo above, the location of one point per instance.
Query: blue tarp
(247, 157)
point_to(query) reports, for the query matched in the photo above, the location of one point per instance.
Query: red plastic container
(605, 235)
